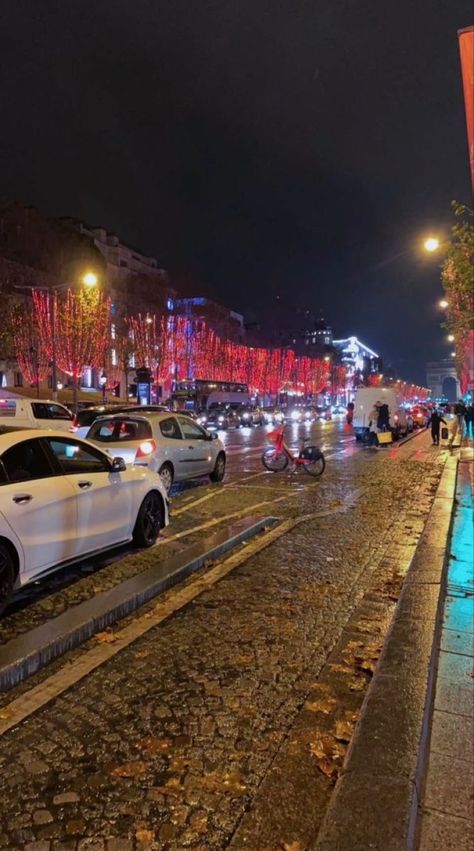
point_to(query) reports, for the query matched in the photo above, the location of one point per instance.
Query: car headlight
(308, 415)
(295, 415)
(245, 416)
(220, 419)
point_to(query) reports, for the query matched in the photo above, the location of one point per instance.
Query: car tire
(166, 474)
(150, 520)
(218, 472)
(7, 575)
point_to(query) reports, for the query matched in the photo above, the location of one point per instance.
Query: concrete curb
(375, 801)
(23, 656)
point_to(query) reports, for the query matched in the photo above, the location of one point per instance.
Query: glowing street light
(90, 279)
(453, 354)
(450, 338)
(443, 304)
(431, 244)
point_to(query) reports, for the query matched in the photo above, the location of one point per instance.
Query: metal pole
(54, 379)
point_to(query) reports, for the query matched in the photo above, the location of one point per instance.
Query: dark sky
(262, 147)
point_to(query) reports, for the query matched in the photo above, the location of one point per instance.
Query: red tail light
(146, 448)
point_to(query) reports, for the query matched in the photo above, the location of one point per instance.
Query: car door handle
(85, 485)
(22, 498)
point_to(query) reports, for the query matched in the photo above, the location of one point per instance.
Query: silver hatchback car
(172, 444)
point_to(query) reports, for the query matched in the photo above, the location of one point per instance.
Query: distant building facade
(136, 282)
(359, 360)
(225, 322)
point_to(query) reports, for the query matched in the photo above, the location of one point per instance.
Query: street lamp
(89, 279)
(450, 338)
(431, 244)
(443, 304)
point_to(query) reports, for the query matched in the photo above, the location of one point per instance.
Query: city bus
(198, 394)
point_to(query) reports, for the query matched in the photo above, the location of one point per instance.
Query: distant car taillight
(146, 448)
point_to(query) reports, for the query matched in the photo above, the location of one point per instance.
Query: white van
(34, 413)
(364, 401)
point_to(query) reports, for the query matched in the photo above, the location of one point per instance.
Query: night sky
(257, 147)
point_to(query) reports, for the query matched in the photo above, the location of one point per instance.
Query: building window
(113, 333)
(18, 379)
(113, 357)
(87, 377)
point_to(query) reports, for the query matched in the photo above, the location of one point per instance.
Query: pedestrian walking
(460, 412)
(383, 421)
(469, 420)
(435, 422)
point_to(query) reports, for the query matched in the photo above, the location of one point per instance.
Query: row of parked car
(72, 487)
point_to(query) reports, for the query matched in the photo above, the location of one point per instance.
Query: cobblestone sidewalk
(167, 745)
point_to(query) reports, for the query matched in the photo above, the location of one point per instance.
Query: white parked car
(174, 445)
(62, 499)
(34, 413)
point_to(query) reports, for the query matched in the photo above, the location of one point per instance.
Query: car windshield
(116, 430)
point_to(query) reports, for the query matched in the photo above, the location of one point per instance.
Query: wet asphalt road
(194, 736)
(243, 448)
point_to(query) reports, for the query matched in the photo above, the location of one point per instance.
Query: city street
(225, 724)
(237, 427)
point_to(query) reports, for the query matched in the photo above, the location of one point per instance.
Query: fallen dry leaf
(328, 767)
(341, 669)
(358, 684)
(368, 665)
(292, 846)
(324, 705)
(5, 714)
(344, 731)
(322, 746)
(130, 769)
(145, 837)
(154, 745)
(106, 637)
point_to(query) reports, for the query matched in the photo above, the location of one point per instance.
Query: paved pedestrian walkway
(447, 812)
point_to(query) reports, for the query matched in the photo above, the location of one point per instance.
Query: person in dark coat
(435, 422)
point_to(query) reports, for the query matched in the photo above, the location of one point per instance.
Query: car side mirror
(118, 465)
